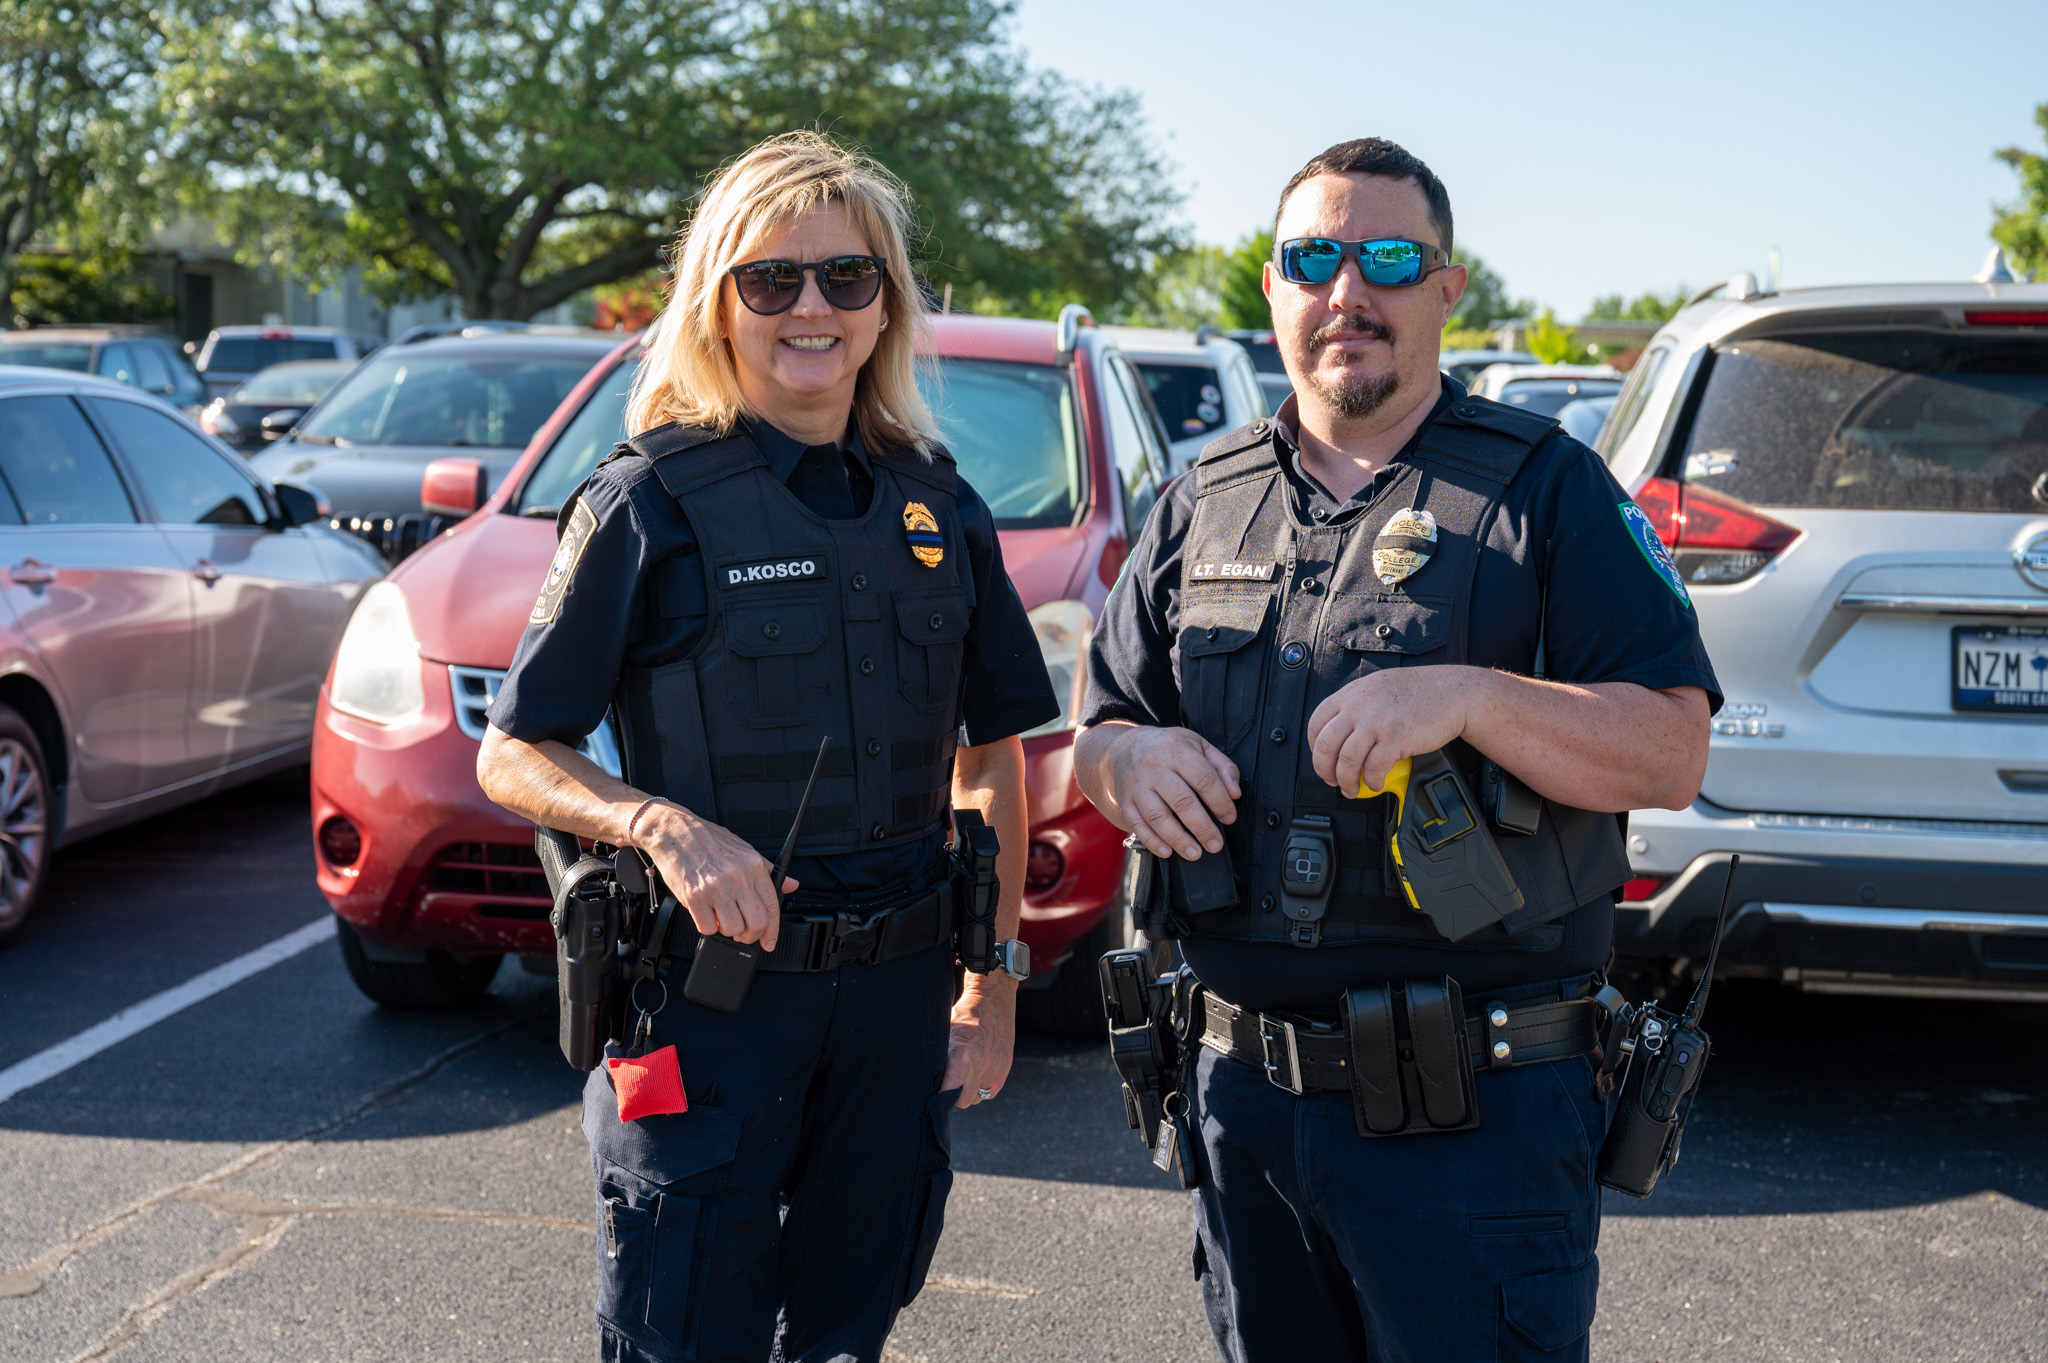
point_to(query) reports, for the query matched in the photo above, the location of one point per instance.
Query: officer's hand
(1360, 732)
(1173, 786)
(718, 877)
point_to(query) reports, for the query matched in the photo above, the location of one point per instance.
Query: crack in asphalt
(264, 1221)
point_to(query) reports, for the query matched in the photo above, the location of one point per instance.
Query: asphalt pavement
(282, 1170)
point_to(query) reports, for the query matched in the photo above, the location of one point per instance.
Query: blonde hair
(686, 373)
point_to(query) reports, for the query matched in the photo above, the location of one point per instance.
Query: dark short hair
(1388, 160)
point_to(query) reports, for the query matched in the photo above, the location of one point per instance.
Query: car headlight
(377, 667)
(1063, 629)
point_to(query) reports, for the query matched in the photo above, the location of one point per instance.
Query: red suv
(434, 883)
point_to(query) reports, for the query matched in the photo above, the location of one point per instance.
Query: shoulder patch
(1653, 551)
(575, 539)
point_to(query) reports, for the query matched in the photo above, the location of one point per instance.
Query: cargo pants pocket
(1547, 1317)
(930, 1186)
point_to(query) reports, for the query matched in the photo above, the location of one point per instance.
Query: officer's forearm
(1094, 755)
(990, 778)
(1611, 746)
(556, 787)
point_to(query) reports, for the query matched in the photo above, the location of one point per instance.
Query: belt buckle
(1278, 1031)
(855, 942)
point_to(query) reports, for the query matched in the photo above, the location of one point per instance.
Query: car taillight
(1043, 867)
(2007, 318)
(1642, 888)
(340, 842)
(1715, 539)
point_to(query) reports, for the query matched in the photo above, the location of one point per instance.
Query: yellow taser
(1449, 864)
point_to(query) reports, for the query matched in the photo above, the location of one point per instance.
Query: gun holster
(1148, 1021)
(588, 919)
(1411, 1060)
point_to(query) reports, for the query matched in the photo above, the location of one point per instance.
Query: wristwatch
(1014, 959)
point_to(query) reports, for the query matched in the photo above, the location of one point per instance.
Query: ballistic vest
(1277, 614)
(853, 629)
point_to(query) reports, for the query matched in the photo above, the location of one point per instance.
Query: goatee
(1348, 395)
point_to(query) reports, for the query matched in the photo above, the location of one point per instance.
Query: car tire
(25, 818)
(439, 982)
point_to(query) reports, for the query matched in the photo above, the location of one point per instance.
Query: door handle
(205, 571)
(31, 573)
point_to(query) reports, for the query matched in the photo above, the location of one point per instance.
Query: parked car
(140, 357)
(1854, 485)
(169, 617)
(1264, 351)
(1545, 388)
(271, 402)
(428, 331)
(368, 441)
(1464, 365)
(433, 882)
(1201, 386)
(230, 355)
(1583, 417)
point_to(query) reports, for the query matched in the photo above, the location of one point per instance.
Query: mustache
(1349, 325)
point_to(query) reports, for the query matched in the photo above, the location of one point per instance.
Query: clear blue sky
(1636, 147)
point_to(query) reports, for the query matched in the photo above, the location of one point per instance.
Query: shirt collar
(1286, 427)
(784, 451)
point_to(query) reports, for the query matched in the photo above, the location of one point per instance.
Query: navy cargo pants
(792, 1211)
(1312, 1241)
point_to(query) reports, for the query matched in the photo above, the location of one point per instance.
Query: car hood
(470, 591)
(371, 480)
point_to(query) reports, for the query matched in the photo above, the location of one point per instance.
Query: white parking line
(47, 1064)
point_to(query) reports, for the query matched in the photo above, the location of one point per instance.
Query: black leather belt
(863, 934)
(1297, 1054)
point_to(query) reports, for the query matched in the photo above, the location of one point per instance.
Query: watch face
(1017, 959)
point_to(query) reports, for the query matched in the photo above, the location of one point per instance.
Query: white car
(1854, 485)
(1545, 389)
(1203, 385)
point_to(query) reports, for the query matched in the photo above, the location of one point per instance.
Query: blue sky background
(1586, 153)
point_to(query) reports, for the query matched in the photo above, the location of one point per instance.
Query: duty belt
(862, 934)
(1298, 1054)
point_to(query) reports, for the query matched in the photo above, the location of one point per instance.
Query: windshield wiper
(311, 439)
(538, 511)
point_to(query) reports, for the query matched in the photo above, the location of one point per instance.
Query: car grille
(491, 868)
(474, 688)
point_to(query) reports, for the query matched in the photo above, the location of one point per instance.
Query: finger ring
(984, 1094)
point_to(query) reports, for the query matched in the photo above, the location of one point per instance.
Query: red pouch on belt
(648, 1085)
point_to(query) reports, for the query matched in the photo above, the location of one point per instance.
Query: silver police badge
(1400, 550)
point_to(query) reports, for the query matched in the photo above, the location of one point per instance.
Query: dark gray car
(367, 443)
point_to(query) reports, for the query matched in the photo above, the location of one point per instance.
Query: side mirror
(276, 424)
(452, 487)
(302, 505)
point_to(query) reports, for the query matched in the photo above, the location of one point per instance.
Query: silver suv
(1854, 484)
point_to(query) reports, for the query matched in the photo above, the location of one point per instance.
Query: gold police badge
(1400, 550)
(923, 533)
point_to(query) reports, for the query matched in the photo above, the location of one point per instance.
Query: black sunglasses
(848, 283)
(1390, 262)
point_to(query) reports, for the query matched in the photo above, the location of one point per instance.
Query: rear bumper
(1870, 904)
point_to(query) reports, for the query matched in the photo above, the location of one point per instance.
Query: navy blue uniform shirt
(565, 671)
(1610, 617)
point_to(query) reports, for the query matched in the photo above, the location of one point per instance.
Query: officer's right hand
(718, 877)
(1172, 787)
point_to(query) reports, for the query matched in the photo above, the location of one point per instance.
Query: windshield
(1547, 397)
(303, 383)
(496, 401)
(47, 355)
(1895, 421)
(1010, 426)
(1189, 397)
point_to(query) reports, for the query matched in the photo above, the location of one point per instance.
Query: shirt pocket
(931, 630)
(1403, 626)
(1220, 672)
(780, 675)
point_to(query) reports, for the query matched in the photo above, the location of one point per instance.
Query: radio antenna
(1697, 1009)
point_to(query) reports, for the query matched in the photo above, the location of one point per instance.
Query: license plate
(2000, 669)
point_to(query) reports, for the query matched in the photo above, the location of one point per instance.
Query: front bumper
(1846, 903)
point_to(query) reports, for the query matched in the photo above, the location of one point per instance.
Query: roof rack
(1739, 286)
(1072, 318)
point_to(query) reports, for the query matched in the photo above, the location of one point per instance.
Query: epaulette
(1485, 438)
(940, 472)
(1245, 452)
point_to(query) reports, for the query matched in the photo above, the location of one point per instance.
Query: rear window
(301, 383)
(1265, 354)
(47, 355)
(1189, 397)
(1547, 397)
(1013, 431)
(237, 353)
(1892, 421)
(589, 436)
(402, 398)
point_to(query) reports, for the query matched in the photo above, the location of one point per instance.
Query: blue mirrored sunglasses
(1389, 262)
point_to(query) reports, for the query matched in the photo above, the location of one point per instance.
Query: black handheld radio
(1666, 1057)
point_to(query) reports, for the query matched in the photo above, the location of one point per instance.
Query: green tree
(1243, 295)
(518, 152)
(1485, 303)
(1183, 290)
(1647, 307)
(1551, 342)
(2022, 228)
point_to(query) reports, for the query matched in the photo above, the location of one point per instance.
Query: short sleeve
(569, 659)
(1004, 687)
(1130, 663)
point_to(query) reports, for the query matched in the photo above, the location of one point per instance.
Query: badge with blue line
(1652, 549)
(923, 533)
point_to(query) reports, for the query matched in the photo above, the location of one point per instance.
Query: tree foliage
(1552, 342)
(1646, 307)
(1485, 303)
(517, 152)
(2022, 228)
(1243, 294)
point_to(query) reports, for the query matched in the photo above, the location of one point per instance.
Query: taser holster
(1448, 864)
(1410, 1061)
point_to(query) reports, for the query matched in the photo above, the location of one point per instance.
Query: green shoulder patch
(1653, 551)
(575, 539)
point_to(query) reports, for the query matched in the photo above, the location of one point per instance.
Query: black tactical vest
(1276, 615)
(852, 629)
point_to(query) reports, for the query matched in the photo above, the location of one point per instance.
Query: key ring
(643, 1027)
